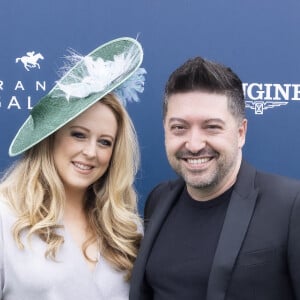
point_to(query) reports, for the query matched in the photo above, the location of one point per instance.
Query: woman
(69, 227)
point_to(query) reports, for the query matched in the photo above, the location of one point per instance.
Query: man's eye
(214, 126)
(177, 127)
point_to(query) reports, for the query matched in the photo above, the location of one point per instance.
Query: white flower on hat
(97, 74)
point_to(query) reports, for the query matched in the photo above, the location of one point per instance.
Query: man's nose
(196, 141)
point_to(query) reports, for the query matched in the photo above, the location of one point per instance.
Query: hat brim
(52, 112)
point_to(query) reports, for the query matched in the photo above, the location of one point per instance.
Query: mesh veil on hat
(112, 67)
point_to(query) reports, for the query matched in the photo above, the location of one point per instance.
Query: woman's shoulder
(139, 226)
(4, 203)
(6, 211)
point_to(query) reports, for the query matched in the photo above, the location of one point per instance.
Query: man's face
(203, 142)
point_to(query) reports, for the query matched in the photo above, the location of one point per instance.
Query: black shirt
(181, 258)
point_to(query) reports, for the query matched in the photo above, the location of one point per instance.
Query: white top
(28, 275)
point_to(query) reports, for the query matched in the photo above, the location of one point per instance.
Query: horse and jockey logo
(30, 60)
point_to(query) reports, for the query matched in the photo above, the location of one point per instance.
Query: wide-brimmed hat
(112, 67)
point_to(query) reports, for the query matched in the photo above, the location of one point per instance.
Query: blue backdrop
(257, 39)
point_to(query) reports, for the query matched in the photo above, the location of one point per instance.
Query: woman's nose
(89, 149)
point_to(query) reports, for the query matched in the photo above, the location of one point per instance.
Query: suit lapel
(165, 203)
(235, 226)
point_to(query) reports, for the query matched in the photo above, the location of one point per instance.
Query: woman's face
(83, 147)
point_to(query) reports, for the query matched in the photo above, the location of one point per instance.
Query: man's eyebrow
(215, 120)
(176, 120)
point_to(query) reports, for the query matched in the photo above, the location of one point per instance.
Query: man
(223, 230)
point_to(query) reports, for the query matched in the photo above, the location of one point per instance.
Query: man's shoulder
(267, 178)
(277, 184)
(269, 185)
(161, 191)
(276, 180)
(167, 186)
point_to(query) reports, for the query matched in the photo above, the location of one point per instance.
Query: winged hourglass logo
(260, 106)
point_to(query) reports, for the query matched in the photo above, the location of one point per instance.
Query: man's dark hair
(198, 74)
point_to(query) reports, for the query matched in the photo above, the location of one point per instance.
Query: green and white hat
(112, 67)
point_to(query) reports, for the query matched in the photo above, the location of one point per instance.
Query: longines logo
(263, 96)
(14, 95)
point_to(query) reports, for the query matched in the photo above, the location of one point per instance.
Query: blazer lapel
(235, 226)
(166, 201)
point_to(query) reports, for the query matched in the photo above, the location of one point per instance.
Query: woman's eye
(105, 142)
(78, 135)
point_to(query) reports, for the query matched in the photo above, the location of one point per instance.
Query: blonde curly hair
(35, 191)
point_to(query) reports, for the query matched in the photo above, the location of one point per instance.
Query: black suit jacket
(258, 253)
